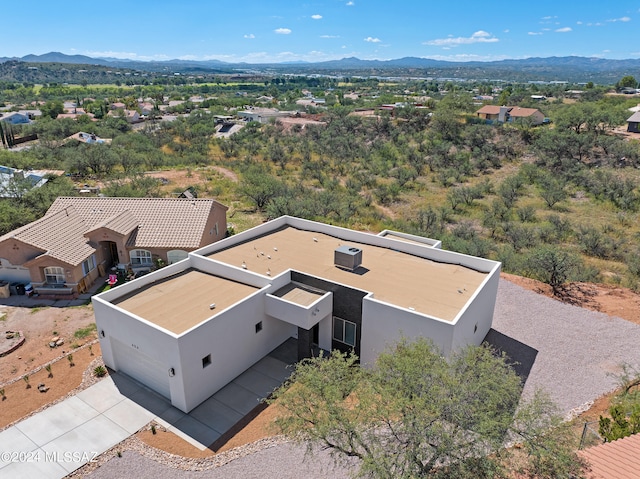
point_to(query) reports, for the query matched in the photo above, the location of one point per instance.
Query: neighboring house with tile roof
(79, 239)
(619, 459)
(504, 114)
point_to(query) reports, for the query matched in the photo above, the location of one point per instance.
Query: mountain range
(572, 68)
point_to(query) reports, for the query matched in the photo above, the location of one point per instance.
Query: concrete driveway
(64, 437)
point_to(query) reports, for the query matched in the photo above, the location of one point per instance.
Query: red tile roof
(614, 460)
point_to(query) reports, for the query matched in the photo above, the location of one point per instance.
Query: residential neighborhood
(285, 265)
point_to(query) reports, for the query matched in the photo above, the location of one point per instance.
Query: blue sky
(261, 31)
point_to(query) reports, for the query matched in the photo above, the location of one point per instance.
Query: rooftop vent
(347, 257)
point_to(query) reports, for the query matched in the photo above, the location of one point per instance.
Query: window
(216, 228)
(54, 275)
(206, 361)
(89, 264)
(176, 255)
(344, 331)
(258, 327)
(140, 257)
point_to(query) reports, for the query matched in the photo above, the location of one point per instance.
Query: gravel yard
(579, 352)
(572, 353)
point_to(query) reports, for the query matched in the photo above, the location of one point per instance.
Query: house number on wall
(135, 346)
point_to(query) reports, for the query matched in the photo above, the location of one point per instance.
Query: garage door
(141, 367)
(12, 273)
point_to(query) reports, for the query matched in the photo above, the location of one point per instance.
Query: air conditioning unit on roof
(347, 257)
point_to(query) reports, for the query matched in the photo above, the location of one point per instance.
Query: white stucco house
(188, 329)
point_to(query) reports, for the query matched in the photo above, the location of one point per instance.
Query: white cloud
(506, 31)
(329, 36)
(372, 40)
(282, 31)
(563, 29)
(578, 22)
(535, 33)
(478, 37)
(250, 35)
(350, 4)
(316, 17)
(621, 19)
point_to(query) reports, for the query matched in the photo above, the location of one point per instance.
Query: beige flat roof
(301, 296)
(436, 289)
(181, 301)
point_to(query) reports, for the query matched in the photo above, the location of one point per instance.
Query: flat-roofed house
(80, 238)
(190, 328)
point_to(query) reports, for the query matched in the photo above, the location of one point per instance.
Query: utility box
(347, 257)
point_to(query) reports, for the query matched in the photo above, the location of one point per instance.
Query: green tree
(52, 108)
(260, 187)
(553, 266)
(627, 81)
(419, 414)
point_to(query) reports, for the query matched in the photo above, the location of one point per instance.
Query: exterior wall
(474, 322)
(234, 345)
(219, 216)
(73, 274)
(302, 316)
(633, 127)
(103, 234)
(161, 345)
(383, 325)
(17, 252)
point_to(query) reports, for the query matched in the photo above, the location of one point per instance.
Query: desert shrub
(553, 265)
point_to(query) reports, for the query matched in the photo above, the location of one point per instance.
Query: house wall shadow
(521, 356)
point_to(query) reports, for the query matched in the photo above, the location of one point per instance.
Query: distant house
(74, 113)
(88, 138)
(261, 115)
(80, 238)
(118, 105)
(8, 176)
(633, 123)
(15, 118)
(505, 114)
(146, 108)
(132, 116)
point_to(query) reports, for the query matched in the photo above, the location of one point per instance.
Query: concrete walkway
(64, 437)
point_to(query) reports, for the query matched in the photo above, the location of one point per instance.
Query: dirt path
(227, 173)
